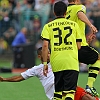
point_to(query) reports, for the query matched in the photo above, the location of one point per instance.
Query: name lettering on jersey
(61, 23)
(63, 48)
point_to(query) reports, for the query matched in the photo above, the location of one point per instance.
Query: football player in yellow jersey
(64, 38)
(88, 55)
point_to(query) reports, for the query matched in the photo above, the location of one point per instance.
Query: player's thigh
(87, 55)
(70, 79)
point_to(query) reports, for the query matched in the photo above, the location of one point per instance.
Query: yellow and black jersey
(71, 14)
(63, 35)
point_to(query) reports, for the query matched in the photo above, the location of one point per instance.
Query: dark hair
(39, 51)
(60, 8)
(71, 1)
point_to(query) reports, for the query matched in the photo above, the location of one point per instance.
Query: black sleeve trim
(78, 40)
(80, 11)
(44, 39)
(41, 37)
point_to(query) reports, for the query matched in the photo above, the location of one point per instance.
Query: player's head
(39, 52)
(60, 8)
(24, 30)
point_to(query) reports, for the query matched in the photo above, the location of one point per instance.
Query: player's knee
(96, 64)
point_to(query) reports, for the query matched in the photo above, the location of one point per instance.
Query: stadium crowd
(33, 14)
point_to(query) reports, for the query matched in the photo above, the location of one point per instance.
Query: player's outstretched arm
(45, 70)
(12, 79)
(84, 18)
(45, 55)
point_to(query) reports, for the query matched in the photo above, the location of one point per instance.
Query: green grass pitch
(32, 89)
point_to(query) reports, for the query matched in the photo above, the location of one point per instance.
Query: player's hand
(45, 70)
(90, 38)
(1, 79)
(94, 29)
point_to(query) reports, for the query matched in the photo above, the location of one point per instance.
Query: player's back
(63, 34)
(71, 14)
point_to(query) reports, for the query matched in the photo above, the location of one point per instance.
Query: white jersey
(47, 82)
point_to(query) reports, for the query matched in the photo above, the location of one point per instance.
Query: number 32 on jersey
(67, 31)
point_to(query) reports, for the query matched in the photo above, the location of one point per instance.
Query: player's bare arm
(12, 79)
(45, 55)
(79, 45)
(94, 30)
(84, 18)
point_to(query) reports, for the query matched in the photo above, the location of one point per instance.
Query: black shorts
(66, 80)
(87, 55)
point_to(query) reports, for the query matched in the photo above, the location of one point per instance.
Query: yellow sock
(93, 72)
(90, 81)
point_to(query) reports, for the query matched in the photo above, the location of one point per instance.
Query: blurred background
(16, 15)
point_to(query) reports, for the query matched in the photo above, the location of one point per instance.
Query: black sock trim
(94, 68)
(58, 96)
(92, 75)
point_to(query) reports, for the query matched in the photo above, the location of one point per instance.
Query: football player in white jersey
(47, 82)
